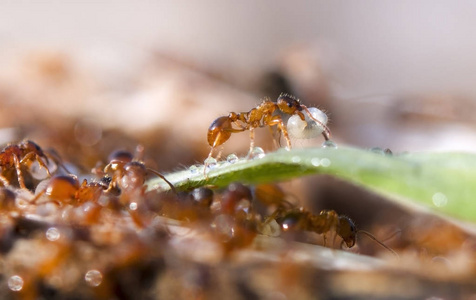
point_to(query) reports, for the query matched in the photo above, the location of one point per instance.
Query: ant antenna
(326, 133)
(368, 234)
(163, 178)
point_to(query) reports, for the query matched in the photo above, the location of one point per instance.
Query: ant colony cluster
(92, 234)
(303, 123)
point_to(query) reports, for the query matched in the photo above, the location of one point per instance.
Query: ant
(327, 220)
(24, 153)
(262, 115)
(127, 172)
(67, 189)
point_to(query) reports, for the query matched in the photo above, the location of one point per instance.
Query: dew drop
(133, 206)
(93, 277)
(210, 163)
(15, 283)
(325, 162)
(257, 153)
(308, 128)
(232, 158)
(53, 234)
(439, 199)
(316, 161)
(194, 169)
(329, 144)
(296, 159)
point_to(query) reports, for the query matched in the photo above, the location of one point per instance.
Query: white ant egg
(308, 128)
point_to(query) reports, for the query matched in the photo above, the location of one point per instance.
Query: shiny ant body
(128, 173)
(261, 116)
(300, 219)
(293, 219)
(15, 155)
(66, 189)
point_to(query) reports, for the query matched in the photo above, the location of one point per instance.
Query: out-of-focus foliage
(442, 181)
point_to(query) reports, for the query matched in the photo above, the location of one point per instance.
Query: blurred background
(85, 76)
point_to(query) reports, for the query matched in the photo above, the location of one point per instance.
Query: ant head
(29, 146)
(121, 156)
(288, 104)
(347, 230)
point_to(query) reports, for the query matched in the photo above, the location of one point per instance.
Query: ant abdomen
(219, 131)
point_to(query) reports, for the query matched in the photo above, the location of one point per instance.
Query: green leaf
(445, 182)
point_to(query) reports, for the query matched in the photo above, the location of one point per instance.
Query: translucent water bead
(256, 153)
(308, 128)
(329, 144)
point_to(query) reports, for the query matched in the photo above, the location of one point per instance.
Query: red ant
(262, 115)
(67, 189)
(128, 173)
(24, 153)
(327, 220)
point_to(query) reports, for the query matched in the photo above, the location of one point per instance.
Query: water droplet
(93, 277)
(308, 128)
(329, 144)
(325, 162)
(439, 199)
(316, 161)
(53, 234)
(210, 163)
(296, 159)
(133, 206)
(256, 153)
(15, 283)
(232, 158)
(194, 169)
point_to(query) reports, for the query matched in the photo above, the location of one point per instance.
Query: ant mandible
(262, 115)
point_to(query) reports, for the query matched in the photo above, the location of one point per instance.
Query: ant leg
(276, 120)
(275, 140)
(42, 164)
(38, 159)
(21, 181)
(4, 181)
(139, 155)
(37, 196)
(219, 153)
(252, 139)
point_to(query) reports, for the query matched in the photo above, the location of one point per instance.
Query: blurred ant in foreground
(292, 219)
(66, 189)
(127, 173)
(327, 220)
(25, 153)
(261, 116)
